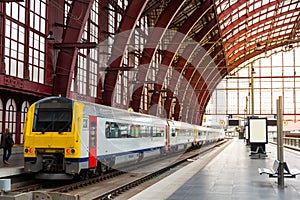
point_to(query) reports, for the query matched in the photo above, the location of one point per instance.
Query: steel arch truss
(223, 35)
(251, 27)
(71, 36)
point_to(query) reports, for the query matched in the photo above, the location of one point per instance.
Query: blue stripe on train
(114, 154)
(85, 159)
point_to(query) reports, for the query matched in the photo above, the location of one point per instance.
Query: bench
(273, 173)
(291, 172)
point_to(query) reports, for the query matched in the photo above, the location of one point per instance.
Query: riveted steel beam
(178, 38)
(66, 61)
(128, 23)
(163, 22)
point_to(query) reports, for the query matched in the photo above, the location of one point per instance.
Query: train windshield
(54, 115)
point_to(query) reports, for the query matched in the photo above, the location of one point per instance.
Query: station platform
(228, 174)
(16, 163)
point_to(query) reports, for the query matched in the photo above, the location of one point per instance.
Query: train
(67, 138)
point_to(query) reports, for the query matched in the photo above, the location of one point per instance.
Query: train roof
(178, 124)
(93, 109)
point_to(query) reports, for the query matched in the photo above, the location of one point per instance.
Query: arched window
(24, 110)
(1, 114)
(10, 115)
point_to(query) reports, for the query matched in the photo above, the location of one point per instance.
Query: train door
(93, 142)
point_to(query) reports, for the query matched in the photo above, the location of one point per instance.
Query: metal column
(280, 144)
(252, 89)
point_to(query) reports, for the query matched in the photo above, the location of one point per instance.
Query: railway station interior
(211, 63)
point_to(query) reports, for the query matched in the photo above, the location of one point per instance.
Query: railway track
(111, 194)
(131, 180)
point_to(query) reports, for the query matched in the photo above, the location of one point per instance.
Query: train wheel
(112, 162)
(103, 168)
(163, 152)
(141, 156)
(99, 168)
(84, 175)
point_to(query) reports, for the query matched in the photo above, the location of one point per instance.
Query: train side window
(124, 130)
(142, 131)
(157, 131)
(154, 131)
(112, 130)
(115, 131)
(84, 123)
(107, 129)
(161, 131)
(148, 131)
(134, 131)
(173, 132)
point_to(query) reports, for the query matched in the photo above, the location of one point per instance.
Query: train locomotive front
(52, 138)
(65, 138)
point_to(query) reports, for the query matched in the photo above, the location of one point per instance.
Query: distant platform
(232, 174)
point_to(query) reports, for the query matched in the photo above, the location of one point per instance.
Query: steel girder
(183, 64)
(253, 37)
(137, 8)
(163, 22)
(236, 47)
(67, 57)
(192, 69)
(212, 78)
(170, 53)
(249, 56)
(128, 23)
(231, 8)
(204, 65)
(209, 80)
(246, 18)
(267, 44)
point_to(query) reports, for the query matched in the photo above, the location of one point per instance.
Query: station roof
(251, 27)
(230, 31)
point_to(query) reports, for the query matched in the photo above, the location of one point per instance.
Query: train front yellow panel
(66, 142)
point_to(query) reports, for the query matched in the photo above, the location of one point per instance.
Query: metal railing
(291, 142)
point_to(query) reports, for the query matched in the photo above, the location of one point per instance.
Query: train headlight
(29, 150)
(69, 151)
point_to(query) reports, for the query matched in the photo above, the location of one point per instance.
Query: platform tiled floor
(232, 175)
(16, 163)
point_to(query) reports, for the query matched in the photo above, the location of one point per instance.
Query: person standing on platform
(7, 143)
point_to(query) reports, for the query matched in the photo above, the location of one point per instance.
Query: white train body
(64, 138)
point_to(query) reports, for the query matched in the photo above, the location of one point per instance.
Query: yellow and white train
(65, 138)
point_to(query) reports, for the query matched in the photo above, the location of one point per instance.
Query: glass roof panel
(285, 8)
(266, 21)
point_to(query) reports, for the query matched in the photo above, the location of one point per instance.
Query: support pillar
(280, 156)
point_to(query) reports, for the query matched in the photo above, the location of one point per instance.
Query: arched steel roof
(229, 31)
(250, 27)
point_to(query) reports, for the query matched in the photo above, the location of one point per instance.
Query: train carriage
(65, 138)
(181, 135)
